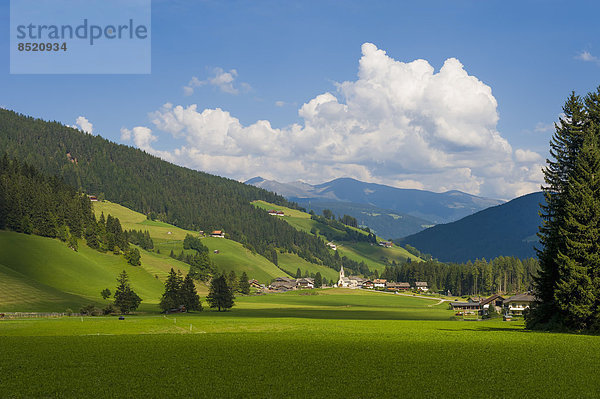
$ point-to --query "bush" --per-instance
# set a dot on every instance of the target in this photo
(90, 310)
(109, 309)
(69, 312)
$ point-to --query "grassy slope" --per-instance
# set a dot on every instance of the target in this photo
(291, 263)
(372, 255)
(232, 255)
(38, 264)
(295, 345)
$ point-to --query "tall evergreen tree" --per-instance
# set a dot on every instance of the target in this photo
(579, 262)
(188, 295)
(318, 280)
(220, 295)
(171, 298)
(125, 298)
(564, 148)
(244, 285)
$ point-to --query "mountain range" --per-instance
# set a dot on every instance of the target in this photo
(390, 211)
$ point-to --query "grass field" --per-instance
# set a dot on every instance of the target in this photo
(336, 344)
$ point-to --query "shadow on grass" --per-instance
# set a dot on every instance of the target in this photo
(479, 327)
(333, 314)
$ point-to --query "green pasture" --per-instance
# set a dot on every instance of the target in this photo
(42, 274)
(335, 344)
(291, 262)
(375, 256)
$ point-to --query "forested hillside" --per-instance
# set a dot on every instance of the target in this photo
(163, 191)
(504, 230)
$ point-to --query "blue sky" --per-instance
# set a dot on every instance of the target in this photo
(531, 54)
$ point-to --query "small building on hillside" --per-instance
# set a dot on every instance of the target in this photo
(515, 305)
(332, 246)
(386, 244)
(217, 234)
(93, 198)
(421, 286)
(273, 212)
(379, 283)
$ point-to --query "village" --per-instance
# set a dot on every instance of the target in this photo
(474, 306)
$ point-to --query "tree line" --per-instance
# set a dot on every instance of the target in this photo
(502, 274)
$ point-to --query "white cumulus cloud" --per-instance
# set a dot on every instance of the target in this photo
(398, 123)
(223, 80)
(83, 124)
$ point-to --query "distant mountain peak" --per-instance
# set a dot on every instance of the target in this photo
(255, 180)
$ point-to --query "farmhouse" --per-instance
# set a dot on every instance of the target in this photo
(398, 286)
(93, 198)
(273, 212)
(379, 283)
(386, 244)
(217, 233)
(255, 284)
(283, 284)
(367, 284)
(461, 307)
(496, 300)
(515, 305)
(421, 286)
(332, 246)
(305, 282)
(391, 286)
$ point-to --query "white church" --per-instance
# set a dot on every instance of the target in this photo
(349, 282)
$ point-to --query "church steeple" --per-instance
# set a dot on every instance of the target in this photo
(341, 272)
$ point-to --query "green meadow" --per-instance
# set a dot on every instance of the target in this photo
(332, 343)
(375, 256)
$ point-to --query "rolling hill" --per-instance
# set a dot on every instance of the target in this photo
(374, 256)
(504, 230)
(43, 274)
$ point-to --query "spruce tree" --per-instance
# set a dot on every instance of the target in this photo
(188, 295)
(171, 298)
(232, 281)
(318, 280)
(579, 262)
(564, 148)
(220, 295)
(244, 285)
(125, 298)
